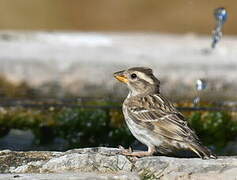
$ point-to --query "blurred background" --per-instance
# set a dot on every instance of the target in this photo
(183, 16)
(57, 58)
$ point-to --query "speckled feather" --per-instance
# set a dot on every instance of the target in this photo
(162, 117)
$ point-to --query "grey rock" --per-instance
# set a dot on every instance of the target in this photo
(70, 176)
(108, 163)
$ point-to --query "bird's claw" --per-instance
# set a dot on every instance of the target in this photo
(125, 151)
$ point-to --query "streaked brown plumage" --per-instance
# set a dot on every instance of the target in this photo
(153, 120)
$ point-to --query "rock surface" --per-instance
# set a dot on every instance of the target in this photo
(71, 176)
(108, 163)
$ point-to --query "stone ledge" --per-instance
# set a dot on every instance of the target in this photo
(71, 176)
(108, 163)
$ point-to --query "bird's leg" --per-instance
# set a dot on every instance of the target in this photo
(150, 152)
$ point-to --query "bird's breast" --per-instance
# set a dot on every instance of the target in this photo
(140, 132)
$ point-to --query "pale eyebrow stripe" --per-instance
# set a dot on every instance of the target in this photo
(145, 77)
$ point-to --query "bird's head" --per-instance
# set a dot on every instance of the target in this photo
(140, 80)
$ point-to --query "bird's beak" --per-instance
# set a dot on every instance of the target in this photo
(120, 76)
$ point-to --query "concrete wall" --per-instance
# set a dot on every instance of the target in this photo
(83, 63)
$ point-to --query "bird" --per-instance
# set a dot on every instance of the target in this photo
(152, 118)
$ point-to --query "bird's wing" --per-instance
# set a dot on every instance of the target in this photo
(158, 114)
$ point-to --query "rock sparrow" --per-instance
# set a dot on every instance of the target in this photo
(153, 120)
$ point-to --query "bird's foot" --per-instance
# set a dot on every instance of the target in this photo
(138, 153)
(129, 150)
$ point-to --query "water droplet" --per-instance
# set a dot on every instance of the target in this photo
(196, 100)
(221, 14)
(201, 84)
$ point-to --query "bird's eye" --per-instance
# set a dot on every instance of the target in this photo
(133, 76)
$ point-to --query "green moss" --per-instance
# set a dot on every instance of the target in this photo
(105, 127)
(214, 128)
(28, 119)
(91, 127)
(147, 174)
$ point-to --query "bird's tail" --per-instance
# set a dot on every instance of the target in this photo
(202, 151)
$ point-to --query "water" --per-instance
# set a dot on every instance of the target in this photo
(221, 16)
(201, 84)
